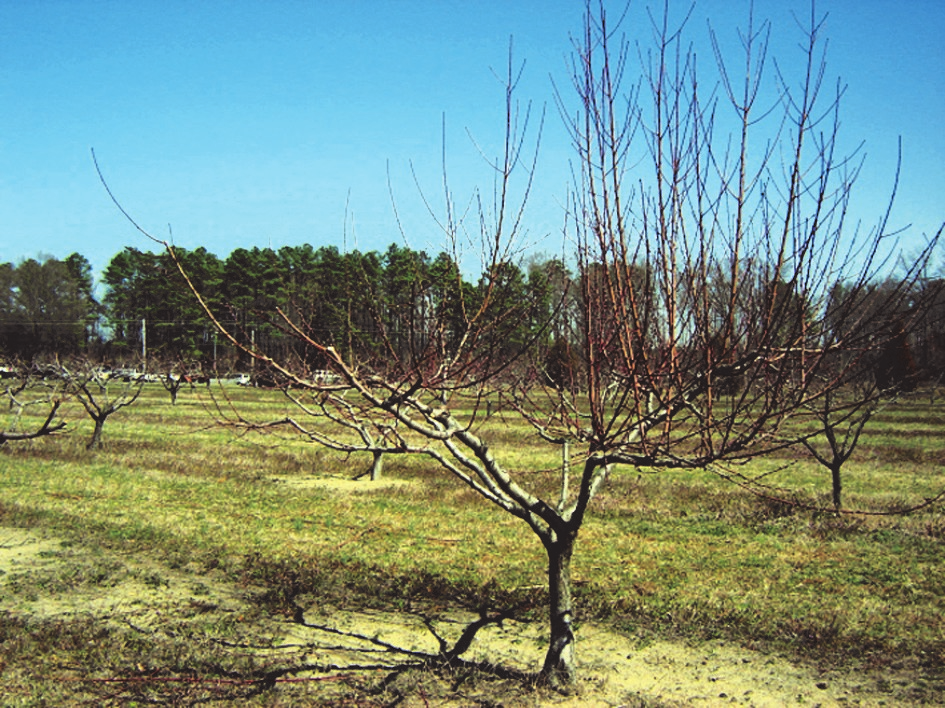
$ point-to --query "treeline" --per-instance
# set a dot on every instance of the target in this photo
(399, 304)
(47, 307)
(368, 304)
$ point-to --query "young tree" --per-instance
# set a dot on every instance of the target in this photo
(887, 312)
(841, 423)
(24, 389)
(96, 392)
(701, 260)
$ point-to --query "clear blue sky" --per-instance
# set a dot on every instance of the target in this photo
(247, 124)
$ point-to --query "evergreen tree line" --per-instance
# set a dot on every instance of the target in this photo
(47, 306)
(392, 305)
(391, 302)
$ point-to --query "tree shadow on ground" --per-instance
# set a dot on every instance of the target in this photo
(334, 665)
(354, 651)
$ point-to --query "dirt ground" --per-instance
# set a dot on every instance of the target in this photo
(43, 577)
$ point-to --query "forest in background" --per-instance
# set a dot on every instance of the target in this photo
(361, 302)
(366, 305)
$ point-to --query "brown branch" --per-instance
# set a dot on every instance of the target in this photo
(46, 428)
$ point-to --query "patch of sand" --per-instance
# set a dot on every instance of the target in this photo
(614, 669)
(340, 484)
(104, 585)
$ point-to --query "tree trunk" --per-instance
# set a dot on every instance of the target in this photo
(377, 465)
(559, 669)
(96, 434)
(837, 487)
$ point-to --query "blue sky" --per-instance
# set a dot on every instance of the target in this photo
(240, 124)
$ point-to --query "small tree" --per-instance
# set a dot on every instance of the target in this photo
(174, 374)
(872, 376)
(172, 381)
(841, 424)
(26, 391)
(700, 261)
(95, 390)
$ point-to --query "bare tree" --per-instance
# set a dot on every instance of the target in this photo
(172, 380)
(175, 374)
(26, 389)
(96, 391)
(841, 427)
(873, 378)
(705, 263)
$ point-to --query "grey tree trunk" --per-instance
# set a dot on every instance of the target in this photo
(96, 434)
(559, 668)
(377, 466)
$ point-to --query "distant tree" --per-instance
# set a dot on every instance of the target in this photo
(182, 329)
(551, 293)
(450, 296)
(506, 311)
(80, 270)
(9, 315)
(147, 308)
(363, 275)
(46, 307)
(895, 367)
(97, 393)
(174, 374)
(841, 417)
(252, 287)
(172, 382)
(133, 285)
(929, 332)
(562, 366)
(404, 302)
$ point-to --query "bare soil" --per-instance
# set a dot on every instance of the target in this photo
(44, 578)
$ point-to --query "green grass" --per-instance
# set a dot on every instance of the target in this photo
(684, 553)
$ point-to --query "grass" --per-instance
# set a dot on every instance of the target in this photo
(681, 553)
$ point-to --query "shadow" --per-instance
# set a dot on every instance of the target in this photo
(353, 664)
(382, 655)
(205, 653)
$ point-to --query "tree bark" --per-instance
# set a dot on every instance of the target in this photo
(96, 434)
(837, 486)
(377, 465)
(559, 668)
